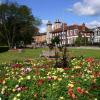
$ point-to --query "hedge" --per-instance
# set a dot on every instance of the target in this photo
(3, 48)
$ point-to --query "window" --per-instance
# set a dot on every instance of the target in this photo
(71, 32)
(75, 31)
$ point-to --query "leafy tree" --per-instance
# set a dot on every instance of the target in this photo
(81, 40)
(84, 40)
(78, 40)
(55, 40)
(17, 23)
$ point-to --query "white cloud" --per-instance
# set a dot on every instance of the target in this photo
(93, 24)
(87, 7)
(44, 21)
(42, 29)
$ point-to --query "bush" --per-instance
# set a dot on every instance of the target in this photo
(3, 48)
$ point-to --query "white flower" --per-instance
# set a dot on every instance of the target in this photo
(55, 77)
(18, 94)
(21, 78)
(71, 85)
(16, 86)
(2, 91)
(89, 71)
(60, 69)
(77, 67)
(28, 77)
(4, 82)
(15, 98)
(59, 79)
(61, 98)
(34, 64)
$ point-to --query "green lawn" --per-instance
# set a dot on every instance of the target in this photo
(15, 55)
(85, 52)
(34, 53)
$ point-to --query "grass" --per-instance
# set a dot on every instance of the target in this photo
(34, 53)
(85, 52)
(15, 55)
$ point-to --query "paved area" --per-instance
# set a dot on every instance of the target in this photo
(86, 47)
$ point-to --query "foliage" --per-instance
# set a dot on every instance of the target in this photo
(17, 23)
(38, 80)
(55, 40)
(81, 40)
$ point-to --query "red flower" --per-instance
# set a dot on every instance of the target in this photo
(70, 93)
(79, 90)
(16, 65)
(66, 68)
(1, 81)
(89, 59)
(40, 82)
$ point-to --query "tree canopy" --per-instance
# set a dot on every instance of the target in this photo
(17, 24)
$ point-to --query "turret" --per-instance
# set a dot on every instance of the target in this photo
(49, 30)
(57, 24)
(49, 26)
(83, 26)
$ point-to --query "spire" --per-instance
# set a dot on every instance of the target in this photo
(57, 21)
(49, 23)
(83, 24)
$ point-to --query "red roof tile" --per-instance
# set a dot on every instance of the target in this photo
(79, 27)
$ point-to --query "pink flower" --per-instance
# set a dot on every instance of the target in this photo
(20, 88)
(50, 78)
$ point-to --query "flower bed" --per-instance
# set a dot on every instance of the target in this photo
(38, 80)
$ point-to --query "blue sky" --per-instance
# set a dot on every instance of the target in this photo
(69, 11)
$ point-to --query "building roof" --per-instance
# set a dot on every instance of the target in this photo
(40, 34)
(71, 27)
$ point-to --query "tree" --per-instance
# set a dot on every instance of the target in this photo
(81, 40)
(17, 23)
(56, 40)
(84, 41)
(78, 40)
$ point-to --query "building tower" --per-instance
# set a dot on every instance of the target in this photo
(57, 24)
(83, 26)
(49, 35)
